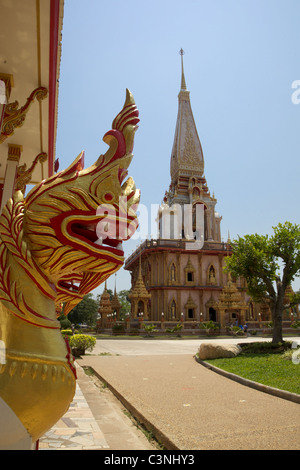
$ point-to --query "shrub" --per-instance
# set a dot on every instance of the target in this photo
(210, 326)
(175, 329)
(81, 343)
(66, 332)
(149, 329)
(235, 330)
(265, 347)
(118, 328)
(64, 322)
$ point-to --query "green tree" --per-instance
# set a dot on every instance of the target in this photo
(269, 265)
(125, 302)
(85, 311)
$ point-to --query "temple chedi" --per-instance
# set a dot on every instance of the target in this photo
(116, 304)
(182, 270)
(139, 297)
(105, 308)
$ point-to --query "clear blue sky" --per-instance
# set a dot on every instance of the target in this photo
(241, 58)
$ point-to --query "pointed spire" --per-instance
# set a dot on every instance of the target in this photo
(183, 84)
(139, 291)
(140, 265)
(105, 304)
(187, 152)
(115, 303)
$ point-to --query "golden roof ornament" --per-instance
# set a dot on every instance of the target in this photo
(230, 296)
(183, 84)
(139, 291)
(15, 117)
(115, 302)
(105, 302)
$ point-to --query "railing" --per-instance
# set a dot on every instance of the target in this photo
(174, 243)
(137, 326)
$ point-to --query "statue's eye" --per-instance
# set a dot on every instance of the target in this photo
(108, 197)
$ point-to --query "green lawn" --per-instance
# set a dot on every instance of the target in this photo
(273, 370)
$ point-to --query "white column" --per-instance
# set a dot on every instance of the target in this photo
(6, 83)
(13, 158)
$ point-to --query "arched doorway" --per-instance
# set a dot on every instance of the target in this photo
(212, 314)
(234, 318)
(141, 308)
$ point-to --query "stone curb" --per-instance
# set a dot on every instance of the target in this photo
(294, 397)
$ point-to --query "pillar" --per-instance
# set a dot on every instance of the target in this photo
(222, 321)
(13, 158)
(8, 82)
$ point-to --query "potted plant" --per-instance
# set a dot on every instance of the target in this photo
(80, 343)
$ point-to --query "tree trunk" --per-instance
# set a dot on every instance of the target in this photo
(277, 308)
(277, 326)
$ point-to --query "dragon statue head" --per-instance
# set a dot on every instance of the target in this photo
(57, 244)
(75, 221)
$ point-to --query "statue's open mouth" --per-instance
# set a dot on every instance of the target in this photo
(99, 235)
(90, 234)
(82, 232)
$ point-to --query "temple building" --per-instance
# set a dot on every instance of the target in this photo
(109, 308)
(116, 304)
(105, 308)
(182, 270)
(139, 297)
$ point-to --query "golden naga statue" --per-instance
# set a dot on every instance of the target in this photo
(56, 245)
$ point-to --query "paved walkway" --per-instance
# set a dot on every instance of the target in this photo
(188, 406)
(95, 421)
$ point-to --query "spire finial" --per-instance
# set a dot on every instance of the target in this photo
(140, 264)
(183, 84)
(115, 283)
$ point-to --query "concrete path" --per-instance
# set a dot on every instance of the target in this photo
(95, 421)
(154, 347)
(188, 406)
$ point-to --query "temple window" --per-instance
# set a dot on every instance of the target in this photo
(196, 193)
(140, 307)
(189, 273)
(190, 309)
(190, 313)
